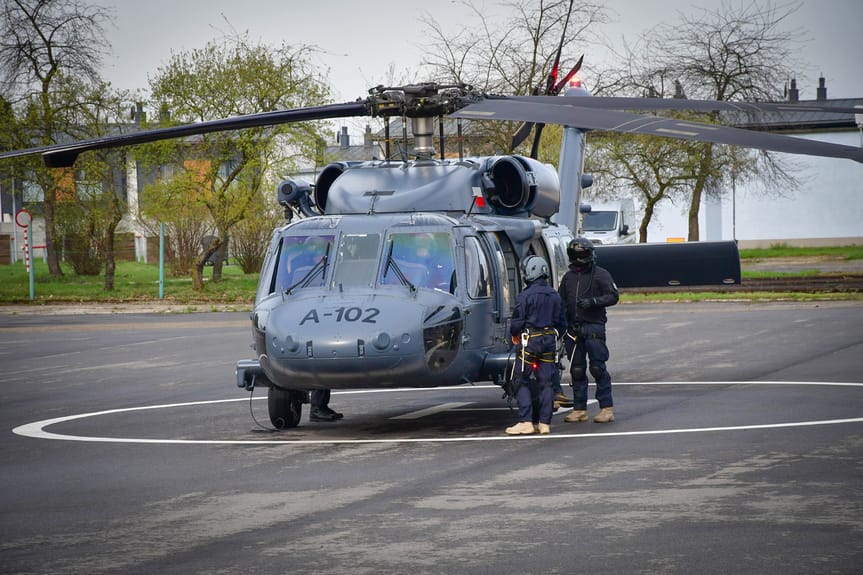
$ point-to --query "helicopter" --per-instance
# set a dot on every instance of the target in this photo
(403, 272)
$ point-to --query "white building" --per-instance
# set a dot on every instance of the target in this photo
(827, 209)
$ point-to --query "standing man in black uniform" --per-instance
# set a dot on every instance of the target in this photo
(536, 322)
(586, 290)
(321, 411)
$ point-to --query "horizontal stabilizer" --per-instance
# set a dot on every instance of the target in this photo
(672, 264)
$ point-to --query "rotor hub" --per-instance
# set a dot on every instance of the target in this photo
(426, 100)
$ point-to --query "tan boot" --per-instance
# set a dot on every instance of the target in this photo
(520, 428)
(562, 400)
(576, 415)
(544, 429)
(606, 415)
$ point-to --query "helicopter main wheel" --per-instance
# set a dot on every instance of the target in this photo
(285, 407)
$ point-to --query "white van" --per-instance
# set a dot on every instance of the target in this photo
(609, 223)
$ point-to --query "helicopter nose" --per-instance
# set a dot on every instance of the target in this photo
(346, 329)
(343, 341)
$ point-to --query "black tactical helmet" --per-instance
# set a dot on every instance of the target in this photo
(533, 268)
(581, 252)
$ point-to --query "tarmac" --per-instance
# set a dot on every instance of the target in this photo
(736, 448)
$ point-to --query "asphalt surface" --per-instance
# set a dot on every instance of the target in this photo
(736, 449)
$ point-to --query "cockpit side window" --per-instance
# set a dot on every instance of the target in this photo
(301, 261)
(561, 261)
(479, 280)
(425, 259)
(505, 261)
(268, 270)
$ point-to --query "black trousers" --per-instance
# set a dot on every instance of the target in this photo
(320, 398)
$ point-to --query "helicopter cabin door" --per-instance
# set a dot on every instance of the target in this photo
(486, 286)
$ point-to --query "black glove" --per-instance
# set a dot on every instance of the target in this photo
(586, 302)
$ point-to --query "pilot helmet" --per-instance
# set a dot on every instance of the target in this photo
(533, 268)
(581, 252)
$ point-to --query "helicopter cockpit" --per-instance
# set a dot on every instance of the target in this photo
(302, 262)
(346, 295)
(418, 259)
(425, 259)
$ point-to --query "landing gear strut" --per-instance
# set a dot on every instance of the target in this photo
(285, 407)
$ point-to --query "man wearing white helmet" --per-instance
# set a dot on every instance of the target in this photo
(586, 290)
(536, 322)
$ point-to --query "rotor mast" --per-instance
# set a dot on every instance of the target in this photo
(421, 103)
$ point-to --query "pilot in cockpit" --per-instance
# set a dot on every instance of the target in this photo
(299, 257)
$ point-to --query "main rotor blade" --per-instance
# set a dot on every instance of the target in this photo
(626, 123)
(682, 104)
(620, 103)
(522, 133)
(64, 155)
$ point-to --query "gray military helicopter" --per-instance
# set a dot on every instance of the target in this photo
(403, 272)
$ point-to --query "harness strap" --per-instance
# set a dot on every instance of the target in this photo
(546, 356)
(536, 332)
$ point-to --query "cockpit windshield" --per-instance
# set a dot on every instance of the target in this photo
(302, 261)
(357, 260)
(599, 221)
(416, 259)
(424, 259)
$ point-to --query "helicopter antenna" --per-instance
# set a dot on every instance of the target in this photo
(552, 88)
(440, 131)
(460, 140)
(551, 82)
(387, 138)
(403, 147)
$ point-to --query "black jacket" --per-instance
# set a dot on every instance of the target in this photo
(594, 285)
(537, 307)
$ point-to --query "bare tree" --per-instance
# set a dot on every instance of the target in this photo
(658, 169)
(41, 41)
(511, 54)
(736, 52)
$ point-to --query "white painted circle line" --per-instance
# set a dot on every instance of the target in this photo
(37, 429)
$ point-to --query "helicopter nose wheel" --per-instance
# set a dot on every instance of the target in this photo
(285, 407)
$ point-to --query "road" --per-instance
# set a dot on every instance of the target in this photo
(736, 449)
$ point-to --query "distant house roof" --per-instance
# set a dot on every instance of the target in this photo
(344, 151)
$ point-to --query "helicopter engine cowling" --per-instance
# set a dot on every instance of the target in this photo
(518, 185)
(547, 196)
(325, 180)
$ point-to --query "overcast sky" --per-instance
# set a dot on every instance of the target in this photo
(356, 37)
